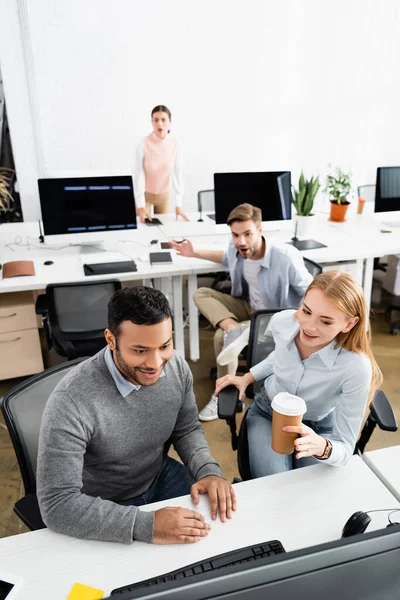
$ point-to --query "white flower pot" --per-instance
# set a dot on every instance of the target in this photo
(306, 226)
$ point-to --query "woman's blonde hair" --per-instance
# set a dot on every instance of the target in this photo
(344, 292)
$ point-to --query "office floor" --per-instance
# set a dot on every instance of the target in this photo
(387, 352)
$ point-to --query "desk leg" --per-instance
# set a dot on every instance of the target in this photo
(367, 283)
(359, 271)
(193, 320)
(178, 314)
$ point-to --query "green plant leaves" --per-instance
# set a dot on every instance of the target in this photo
(304, 196)
(338, 186)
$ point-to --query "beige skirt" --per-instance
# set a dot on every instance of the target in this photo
(159, 201)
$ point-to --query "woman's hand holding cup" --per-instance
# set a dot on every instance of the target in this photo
(309, 444)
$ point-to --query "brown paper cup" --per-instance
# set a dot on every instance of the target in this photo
(283, 441)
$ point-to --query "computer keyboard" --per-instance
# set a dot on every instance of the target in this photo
(235, 557)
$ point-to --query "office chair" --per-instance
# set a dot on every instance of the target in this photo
(205, 201)
(22, 409)
(261, 344)
(75, 316)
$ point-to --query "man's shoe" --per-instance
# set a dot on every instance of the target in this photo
(235, 340)
(210, 411)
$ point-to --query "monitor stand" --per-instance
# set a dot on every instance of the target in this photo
(91, 247)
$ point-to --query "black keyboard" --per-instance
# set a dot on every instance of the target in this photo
(235, 557)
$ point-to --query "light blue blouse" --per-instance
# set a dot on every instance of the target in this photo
(332, 379)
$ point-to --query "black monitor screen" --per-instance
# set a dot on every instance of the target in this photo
(387, 195)
(270, 191)
(87, 204)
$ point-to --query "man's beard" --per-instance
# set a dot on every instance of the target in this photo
(131, 372)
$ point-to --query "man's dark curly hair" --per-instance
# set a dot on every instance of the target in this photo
(141, 305)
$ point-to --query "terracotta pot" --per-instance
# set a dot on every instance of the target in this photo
(338, 212)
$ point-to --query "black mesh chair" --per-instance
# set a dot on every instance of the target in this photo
(261, 344)
(22, 409)
(75, 316)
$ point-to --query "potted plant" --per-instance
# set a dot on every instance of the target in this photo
(6, 198)
(338, 186)
(303, 200)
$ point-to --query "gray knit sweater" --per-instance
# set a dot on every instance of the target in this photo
(97, 448)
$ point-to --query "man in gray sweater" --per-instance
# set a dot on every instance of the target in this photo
(106, 428)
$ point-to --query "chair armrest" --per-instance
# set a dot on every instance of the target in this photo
(27, 509)
(41, 306)
(382, 412)
(228, 400)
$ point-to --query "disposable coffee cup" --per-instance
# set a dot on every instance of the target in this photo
(287, 409)
(360, 206)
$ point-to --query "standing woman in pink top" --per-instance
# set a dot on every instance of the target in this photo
(158, 168)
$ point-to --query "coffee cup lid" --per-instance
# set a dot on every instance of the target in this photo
(288, 404)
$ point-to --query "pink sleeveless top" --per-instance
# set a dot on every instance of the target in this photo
(159, 158)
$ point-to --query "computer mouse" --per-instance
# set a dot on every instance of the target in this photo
(357, 523)
(48, 262)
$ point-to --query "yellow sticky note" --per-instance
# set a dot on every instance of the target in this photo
(84, 592)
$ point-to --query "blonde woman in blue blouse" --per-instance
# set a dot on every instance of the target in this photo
(322, 354)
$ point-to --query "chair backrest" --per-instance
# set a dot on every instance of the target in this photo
(22, 409)
(261, 342)
(206, 200)
(367, 192)
(312, 267)
(80, 310)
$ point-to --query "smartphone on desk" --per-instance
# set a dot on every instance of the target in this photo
(153, 221)
(167, 245)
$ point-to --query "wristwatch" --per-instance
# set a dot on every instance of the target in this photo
(327, 452)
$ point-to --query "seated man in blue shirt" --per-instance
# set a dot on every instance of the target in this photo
(105, 431)
(263, 275)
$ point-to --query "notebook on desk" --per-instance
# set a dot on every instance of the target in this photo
(106, 268)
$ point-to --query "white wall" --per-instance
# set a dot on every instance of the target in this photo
(255, 85)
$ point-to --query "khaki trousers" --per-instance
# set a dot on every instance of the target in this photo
(159, 201)
(216, 307)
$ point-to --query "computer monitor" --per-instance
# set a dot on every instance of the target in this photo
(387, 192)
(86, 209)
(270, 191)
(363, 566)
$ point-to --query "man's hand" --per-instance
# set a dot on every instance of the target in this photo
(220, 493)
(309, 444)
(184, 248)
(174, 525)
(143, 215)
(179, 213)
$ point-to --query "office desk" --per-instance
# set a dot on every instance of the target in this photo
(344, 243)
(68, 263)
(300, 508)
(385, 463)
(367, 228)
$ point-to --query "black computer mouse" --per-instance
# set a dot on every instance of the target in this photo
(357, 523)
(48, 262)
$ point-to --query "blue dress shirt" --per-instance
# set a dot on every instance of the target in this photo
(283, 278)
(331, 379)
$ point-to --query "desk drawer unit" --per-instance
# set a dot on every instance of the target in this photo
(20, 351)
